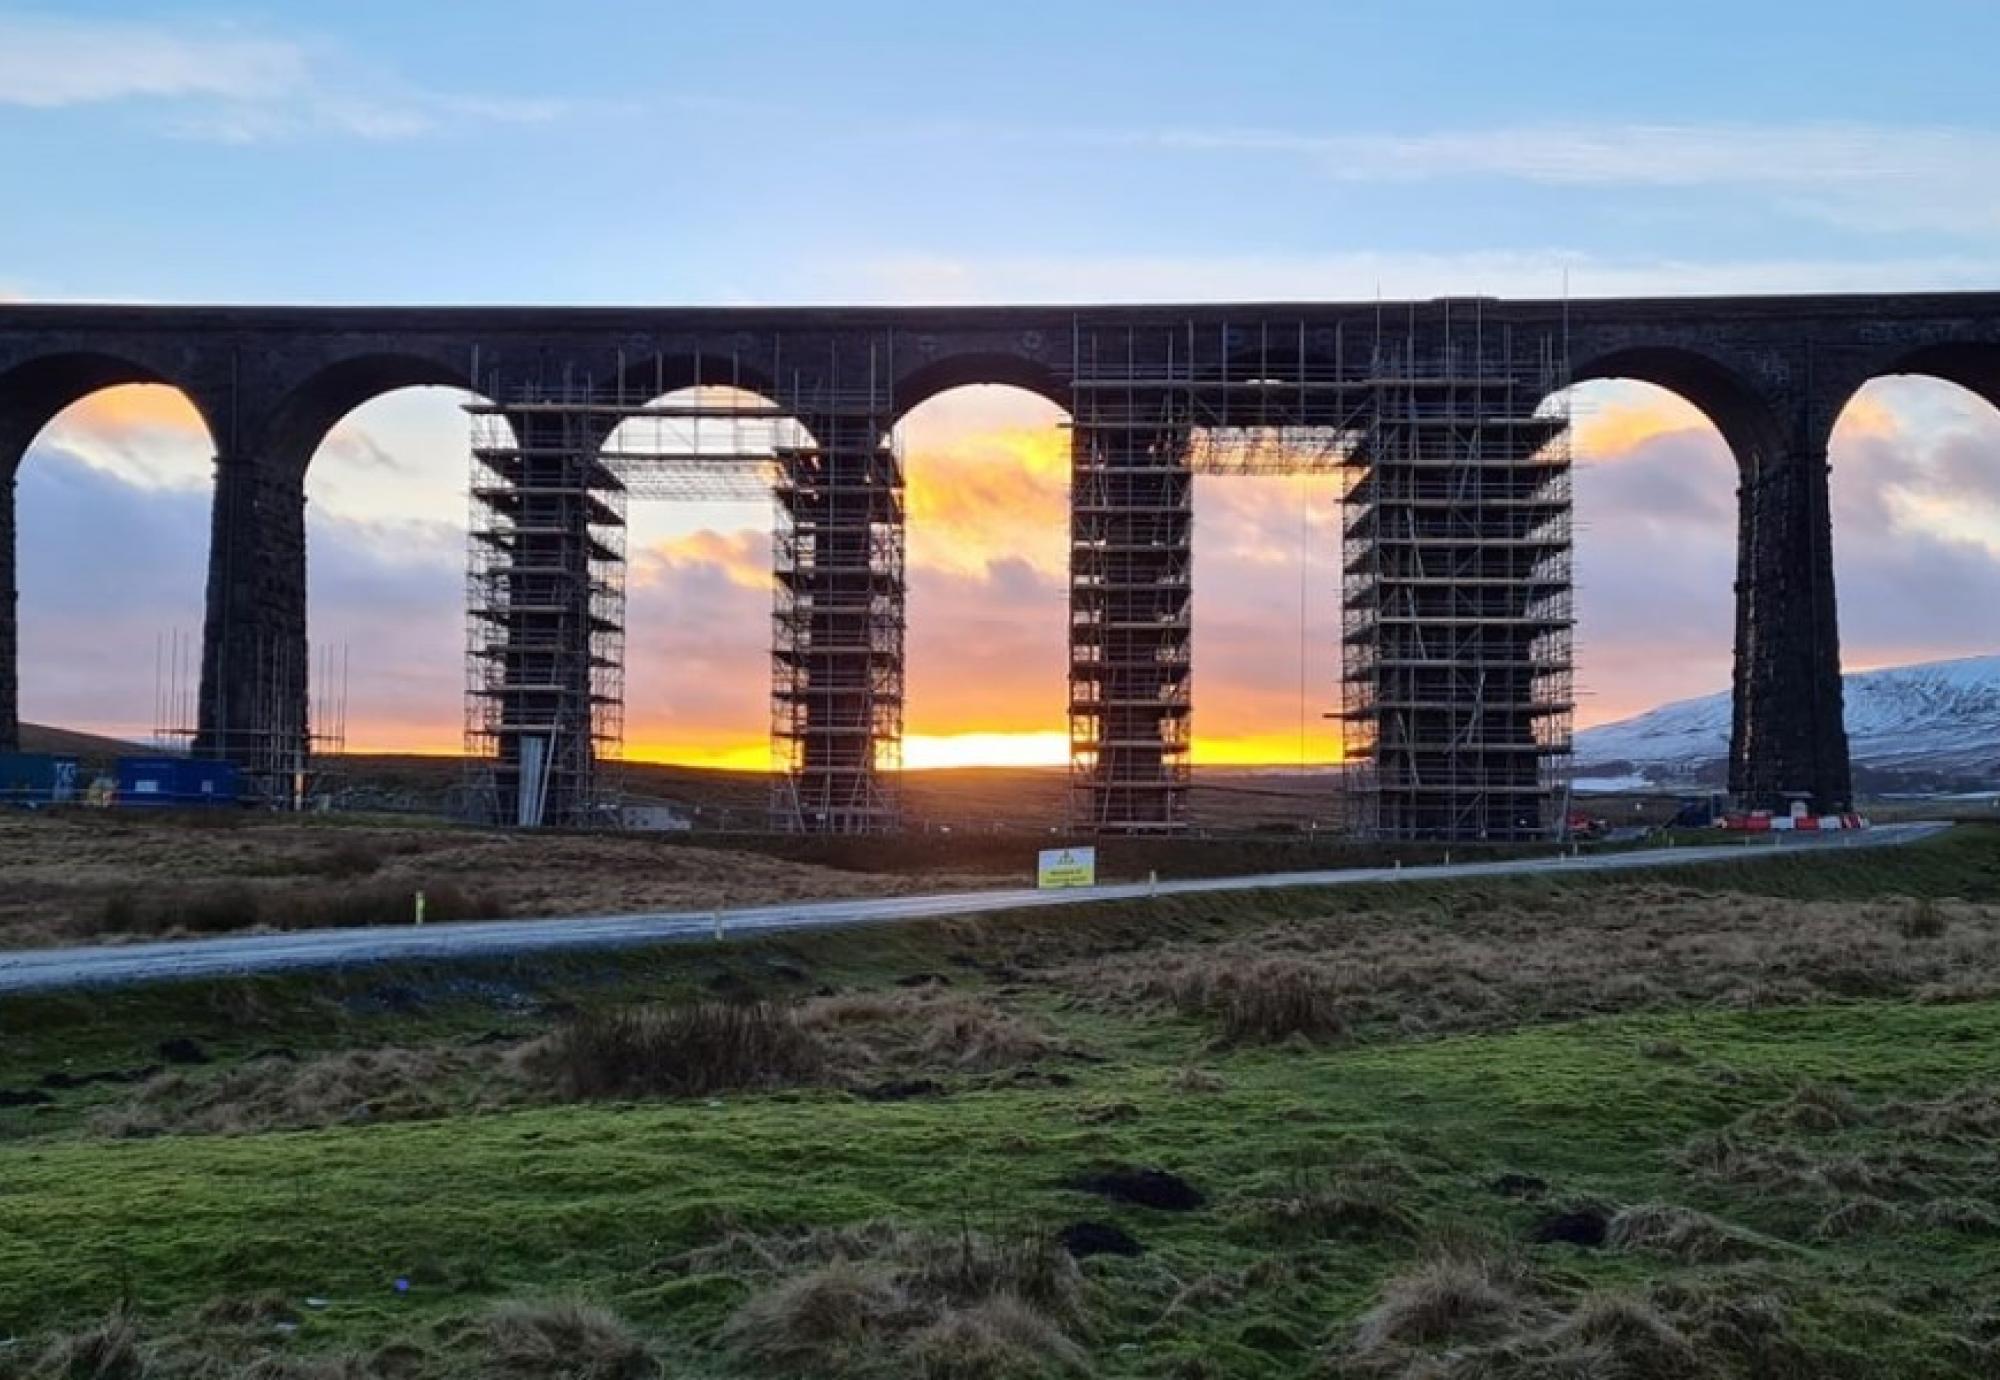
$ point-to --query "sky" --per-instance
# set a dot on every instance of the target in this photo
(918, 153)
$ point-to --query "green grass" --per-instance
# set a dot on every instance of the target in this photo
(601, 1199)
(604, 1199)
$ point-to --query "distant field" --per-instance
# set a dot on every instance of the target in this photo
(980, 798)
(1728, 1122)
(89, 746)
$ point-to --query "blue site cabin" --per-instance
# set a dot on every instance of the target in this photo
(163, 782)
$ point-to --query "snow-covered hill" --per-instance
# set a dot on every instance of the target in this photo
(1937, 718)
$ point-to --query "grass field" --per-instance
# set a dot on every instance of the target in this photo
(1735, 1121)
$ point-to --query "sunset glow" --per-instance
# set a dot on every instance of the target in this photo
(987, 472)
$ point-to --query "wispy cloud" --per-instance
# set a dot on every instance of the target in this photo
(1880, 177)
(229, 85)
(1358, 276)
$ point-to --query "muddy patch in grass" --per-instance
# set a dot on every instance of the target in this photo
(1158, 1189)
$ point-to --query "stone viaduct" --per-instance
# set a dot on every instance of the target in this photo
(1772, 373)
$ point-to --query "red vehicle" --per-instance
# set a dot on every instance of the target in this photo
(1584, 826)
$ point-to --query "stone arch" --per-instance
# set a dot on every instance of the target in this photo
(1972, 365)
(303, 417)
(1914, 486)
(255, 656)
(1787, 743)
(1717, 391)
(978, 367)
(33, 394)
(987, 469)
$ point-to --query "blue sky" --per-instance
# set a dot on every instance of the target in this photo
(783, 152)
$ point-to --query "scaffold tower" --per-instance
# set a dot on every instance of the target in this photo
(545, 609)
(838, 624)
(1456, 597)
(1150, 409)
(553, 471)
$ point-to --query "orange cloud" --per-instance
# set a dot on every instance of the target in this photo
(134, 410)
(147, 434)
(1612, 429)
(1866, 415)
(999, 495)
(743, 556)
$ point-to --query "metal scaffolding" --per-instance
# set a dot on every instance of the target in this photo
(282, 760)
(1456, 684)
(553, 469)
(1150, 409)
(545, 610)
(837, 627)
(1456, 597)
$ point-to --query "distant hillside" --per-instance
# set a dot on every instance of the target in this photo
(88, 746)
(1938, 720)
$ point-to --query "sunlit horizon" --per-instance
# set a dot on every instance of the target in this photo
(921, 752)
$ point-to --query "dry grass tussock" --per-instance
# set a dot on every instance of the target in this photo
(565, 1337)
(1449, 1298)
(1364, 1201)
(868, 1030)
(1624, 949)
(677, 1051)
(693, 1050)
(353, 1086)
(861, 1300)
(709, 1047)
(1680, 1233)
(1475, 1318)
(253, 1340)
(1922, 1162)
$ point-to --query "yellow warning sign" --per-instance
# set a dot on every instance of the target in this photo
(1061, 867)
